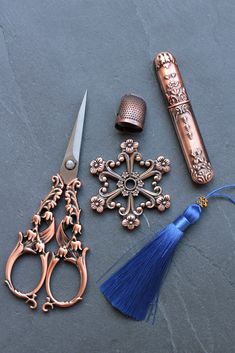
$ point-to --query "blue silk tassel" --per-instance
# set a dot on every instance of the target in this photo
(136, 285)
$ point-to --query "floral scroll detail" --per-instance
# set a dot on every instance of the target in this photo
(34, 239)
(201, 170)
(70, 248)
(163, 202)
(97, 203)
(130, 222)
(97, 165)
(129, 146)
(183, 112)
(164, 59)
(135, 178)
(163, 164)
(175, 93)
(130, 184)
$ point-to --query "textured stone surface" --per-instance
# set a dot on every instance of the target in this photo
(50, 52)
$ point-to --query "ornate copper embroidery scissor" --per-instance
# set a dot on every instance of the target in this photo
(70, 248)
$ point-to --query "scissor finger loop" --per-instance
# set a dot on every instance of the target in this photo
(21, 249)
(79, 260)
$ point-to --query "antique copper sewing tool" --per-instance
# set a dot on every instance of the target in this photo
(183, 118)
(70, 248)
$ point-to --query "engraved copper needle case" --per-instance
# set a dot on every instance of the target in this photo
(183, 118)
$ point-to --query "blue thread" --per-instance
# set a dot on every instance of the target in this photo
(214, 193)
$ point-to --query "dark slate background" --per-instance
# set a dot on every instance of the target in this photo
(50, 52)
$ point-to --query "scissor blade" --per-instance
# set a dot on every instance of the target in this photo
(77, 137)
(72, 154)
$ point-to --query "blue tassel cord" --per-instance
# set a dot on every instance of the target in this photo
(136, 285)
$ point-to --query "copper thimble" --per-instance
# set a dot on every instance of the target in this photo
(131, 114)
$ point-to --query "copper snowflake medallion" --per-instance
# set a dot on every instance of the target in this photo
(130, 184)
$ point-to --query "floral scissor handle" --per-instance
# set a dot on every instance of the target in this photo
(33, 241)
(70, 249)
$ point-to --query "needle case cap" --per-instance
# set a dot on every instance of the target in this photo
(131, 114)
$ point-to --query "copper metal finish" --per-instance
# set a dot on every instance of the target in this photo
(33, 241)
(70, 248)
(131, 113)
(130, 184)
(183, 118)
